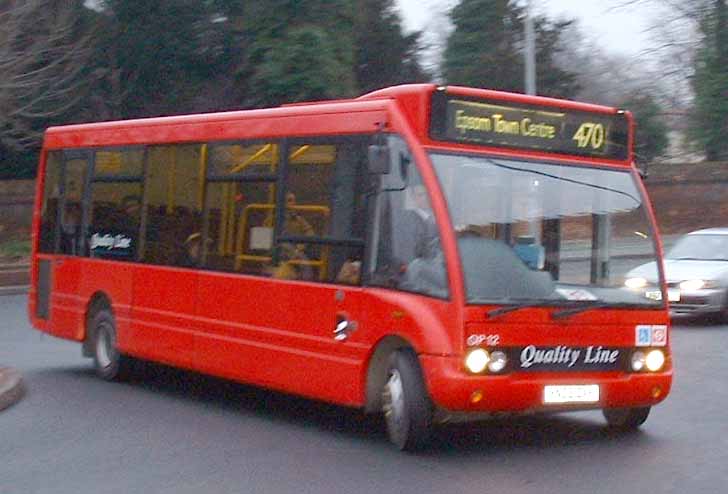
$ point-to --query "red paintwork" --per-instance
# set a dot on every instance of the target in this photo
(279, 333)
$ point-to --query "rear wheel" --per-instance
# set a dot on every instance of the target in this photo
(109, 363)
(406, 405)
(626, 418)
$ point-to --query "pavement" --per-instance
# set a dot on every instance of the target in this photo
(12, 388)
(13, 281)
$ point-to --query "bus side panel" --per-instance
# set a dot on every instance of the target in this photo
(279, 334)
(67, 307)
(163, 314)
(115, 281)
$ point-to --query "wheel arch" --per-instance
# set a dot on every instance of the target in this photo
(376, 374)
(98, 301)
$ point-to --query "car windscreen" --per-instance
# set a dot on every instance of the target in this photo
(701, 247)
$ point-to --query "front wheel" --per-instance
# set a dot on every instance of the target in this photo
(626, 418)
(406, 405)
(109, 363)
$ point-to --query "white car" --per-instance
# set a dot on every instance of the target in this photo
(696, 270)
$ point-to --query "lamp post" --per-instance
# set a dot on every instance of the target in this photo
(530, 52)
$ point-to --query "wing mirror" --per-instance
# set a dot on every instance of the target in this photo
(379, 159)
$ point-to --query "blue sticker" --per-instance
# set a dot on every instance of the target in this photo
(644, 335)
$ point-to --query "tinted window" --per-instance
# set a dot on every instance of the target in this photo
(51, 203)
(116, 204)
(324, 199)
(243, 159)
(173, 204)
(240, 221)
(407, 253)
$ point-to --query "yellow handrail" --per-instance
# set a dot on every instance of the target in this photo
(249, 161)
(201, 174)
(241, 257)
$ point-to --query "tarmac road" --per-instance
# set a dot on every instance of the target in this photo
(168, 431)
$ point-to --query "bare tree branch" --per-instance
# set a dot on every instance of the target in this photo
(43, 57)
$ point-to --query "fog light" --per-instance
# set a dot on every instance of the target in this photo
(476, 397)
(655, 360)
(656, 392)
(498, 361)
(638, 361)
(477, 360)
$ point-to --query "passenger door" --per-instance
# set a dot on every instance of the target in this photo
(62, 274)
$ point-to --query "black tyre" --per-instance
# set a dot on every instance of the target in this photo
(406, 405)
(110, 364)
(626, 418)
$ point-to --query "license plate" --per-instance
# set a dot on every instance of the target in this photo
(673, 295)
(587, 393)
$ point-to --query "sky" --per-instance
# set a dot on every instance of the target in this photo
(621, 30)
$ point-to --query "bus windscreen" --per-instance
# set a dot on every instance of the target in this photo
(511, 125)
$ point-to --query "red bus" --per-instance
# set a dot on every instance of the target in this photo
(430, 253)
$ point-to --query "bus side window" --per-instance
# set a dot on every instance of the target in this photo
(325, 200)
(240, 210)
(116, 204)
(407, 253)
(51, 202)
(173, 206)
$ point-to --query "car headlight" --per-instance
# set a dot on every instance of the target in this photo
(692, 285)
(477, 360)
(636, 282)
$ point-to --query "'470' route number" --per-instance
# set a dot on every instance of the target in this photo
(590, 135)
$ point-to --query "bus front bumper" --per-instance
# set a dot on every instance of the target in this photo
(453, 389)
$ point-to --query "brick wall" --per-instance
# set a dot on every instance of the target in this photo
(689, 197)
(16, 207)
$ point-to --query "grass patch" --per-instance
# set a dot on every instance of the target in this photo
(14, 250)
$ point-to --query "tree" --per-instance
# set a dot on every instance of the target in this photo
(297, 50)
(43, 55)
(482, 50)
(651, 139)
(385, 56)
(710, 82)
(152, 57)
(485, 49)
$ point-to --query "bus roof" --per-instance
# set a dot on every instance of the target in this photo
(415, 101)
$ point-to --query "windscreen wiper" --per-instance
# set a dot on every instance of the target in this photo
(511, 308)
(583, 307)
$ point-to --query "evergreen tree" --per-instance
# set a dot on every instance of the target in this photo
(710, 127)
(651, 139)
(486, 49)
(297, 50)
(152, 57)
(385, 56)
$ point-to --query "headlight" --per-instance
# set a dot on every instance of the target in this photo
(635, 283)
(638, 361)
(498, 361)
(477, 360)
(655, 360)
(692, 285)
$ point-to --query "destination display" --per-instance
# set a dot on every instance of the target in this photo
(495, 123)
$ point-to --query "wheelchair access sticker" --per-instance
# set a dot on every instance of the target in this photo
(650, 335)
